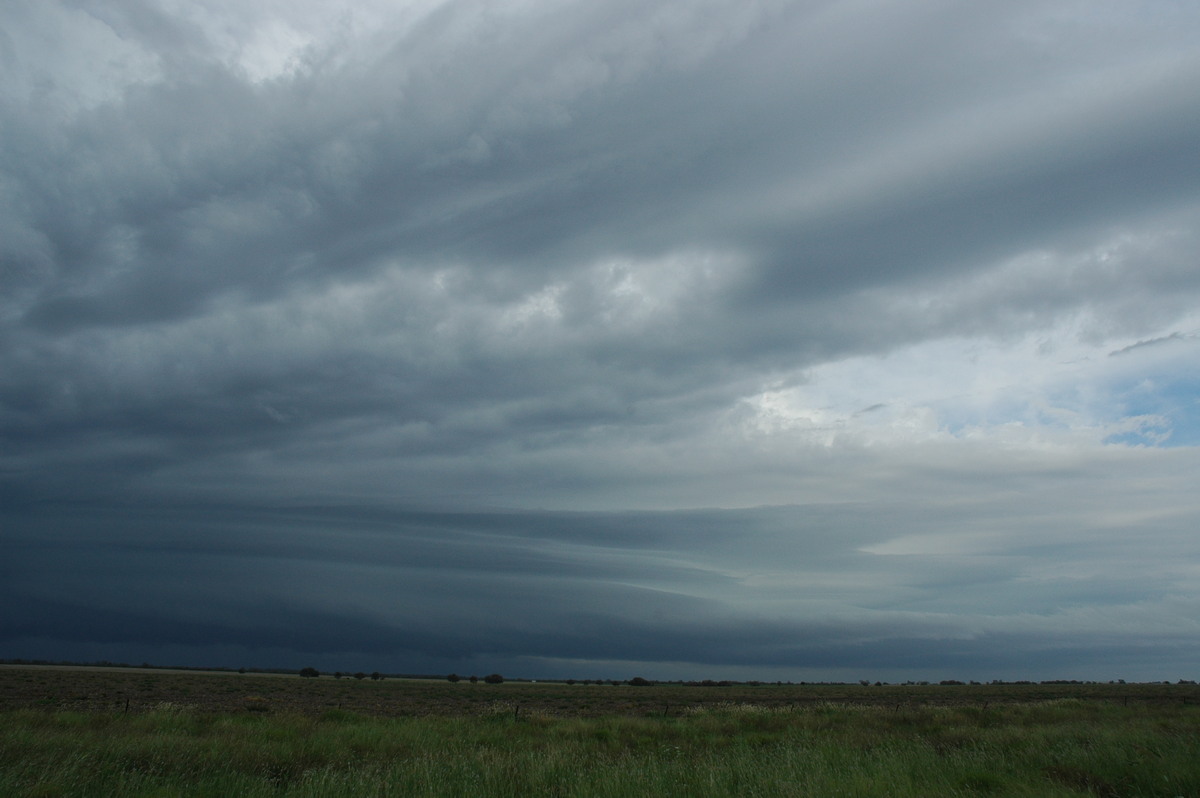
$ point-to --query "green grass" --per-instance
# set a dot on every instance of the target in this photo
(1057, 748)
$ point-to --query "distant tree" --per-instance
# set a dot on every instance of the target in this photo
(337, 675)
(376, 676)
(309, 673)
(360, 675)
(570, 681)
(452, 678)
(474, 678)
(241, 670)
(494, 678)
(638, 681)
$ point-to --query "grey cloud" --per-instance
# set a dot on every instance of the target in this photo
(542, 198)
(1175, 336)
(464, 309)
(647, 587)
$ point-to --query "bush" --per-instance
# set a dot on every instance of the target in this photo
(452, 678)
(494, 678)
(638, 681)
(309, 673)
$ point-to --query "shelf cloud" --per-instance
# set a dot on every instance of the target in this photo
(780, 340)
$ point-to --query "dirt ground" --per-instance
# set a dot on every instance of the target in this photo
(143, 689)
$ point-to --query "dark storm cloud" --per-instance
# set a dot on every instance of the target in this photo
(242, 187)
(452, 589)
(369, 320)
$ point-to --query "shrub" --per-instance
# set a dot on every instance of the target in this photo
(494, 678)
(452, 678)
(309, 673)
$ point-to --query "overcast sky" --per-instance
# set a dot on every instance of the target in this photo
(828, 339)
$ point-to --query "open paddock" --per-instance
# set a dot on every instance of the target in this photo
(138, 690)
(86, 732)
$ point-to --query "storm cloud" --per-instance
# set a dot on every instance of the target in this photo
(781, 340)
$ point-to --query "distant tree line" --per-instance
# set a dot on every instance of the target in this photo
(312, 673)
(496, 678)
(491, 678)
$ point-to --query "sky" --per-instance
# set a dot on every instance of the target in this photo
(820, 340)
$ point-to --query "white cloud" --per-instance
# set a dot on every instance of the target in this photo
(1051, 387)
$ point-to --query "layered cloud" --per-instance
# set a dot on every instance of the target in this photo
(822, 336)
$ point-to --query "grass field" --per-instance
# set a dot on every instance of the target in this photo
(68, 732)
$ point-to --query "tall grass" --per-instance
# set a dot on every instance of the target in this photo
(1061, 748)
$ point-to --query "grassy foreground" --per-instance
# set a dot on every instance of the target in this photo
(1064, 747)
